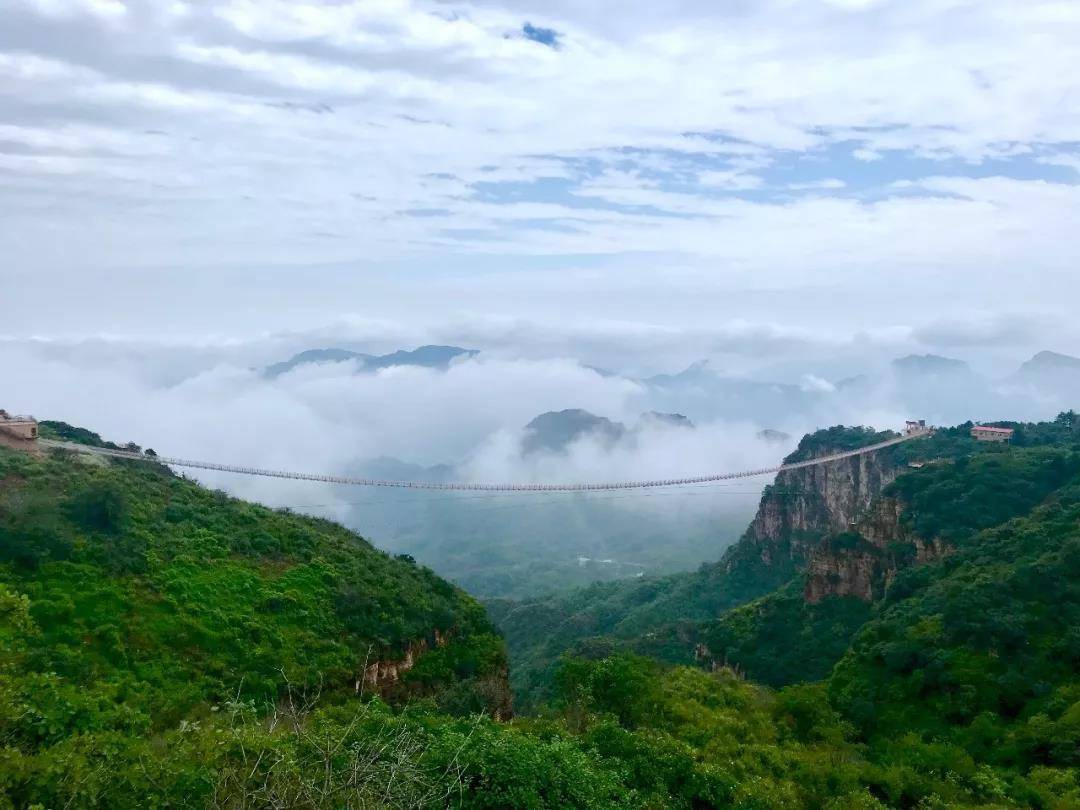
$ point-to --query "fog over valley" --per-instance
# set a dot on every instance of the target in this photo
(489, 414)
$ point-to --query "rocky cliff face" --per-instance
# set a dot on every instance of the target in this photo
(863, 561)
(805, 505)
(834, 522)
(385, 677)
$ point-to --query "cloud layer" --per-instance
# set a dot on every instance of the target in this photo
(233, 164)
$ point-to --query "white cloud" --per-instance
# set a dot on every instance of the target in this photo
(730, 181)
(180, 149)
(811, 382)
(815, 185)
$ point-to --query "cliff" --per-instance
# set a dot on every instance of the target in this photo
(382, 675)
(863, 561)
(409, 676)
(805, 505)
(834, 522)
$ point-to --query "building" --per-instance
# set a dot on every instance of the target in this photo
(914, 426)
(985, 433)
(18, 427)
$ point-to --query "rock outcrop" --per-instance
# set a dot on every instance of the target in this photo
(863, 561)
(385, 677)
(385, 674)
(834, 522)
(805, 505)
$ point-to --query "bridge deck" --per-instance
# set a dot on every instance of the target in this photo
(482, 487)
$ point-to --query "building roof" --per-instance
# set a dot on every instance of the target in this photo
(990, 429)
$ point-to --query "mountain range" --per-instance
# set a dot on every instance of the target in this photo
(438, 357)
(929, 386)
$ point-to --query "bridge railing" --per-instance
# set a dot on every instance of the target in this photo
(485, 487)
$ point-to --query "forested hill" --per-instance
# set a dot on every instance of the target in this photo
(132, 599)
(166, 646)
(783, 603)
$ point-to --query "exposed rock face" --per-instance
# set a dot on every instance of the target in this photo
(863, 561)
(807, 504)
(833, 522)
(384, 676)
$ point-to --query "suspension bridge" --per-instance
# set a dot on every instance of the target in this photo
(484, 487)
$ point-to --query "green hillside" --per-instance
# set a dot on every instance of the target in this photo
(661, 617)
(750, 613)
(135, 600)
(164, 645)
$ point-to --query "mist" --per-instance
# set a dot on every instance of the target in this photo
(212, 401)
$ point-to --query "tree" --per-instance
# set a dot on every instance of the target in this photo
(100, 507)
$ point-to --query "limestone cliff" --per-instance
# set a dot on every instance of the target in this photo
(834, 523)
(863, 561)
(809, 503)
(388, 677)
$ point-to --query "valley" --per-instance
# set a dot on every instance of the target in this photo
(849, 624)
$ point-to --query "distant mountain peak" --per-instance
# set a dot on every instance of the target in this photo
(428, 356)
(310, 356)
(930, 364)
(773, 435)
(1047, 360)
(695, 370)
(554, 431)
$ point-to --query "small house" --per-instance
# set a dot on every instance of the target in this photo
(986, 433)
(19, 427)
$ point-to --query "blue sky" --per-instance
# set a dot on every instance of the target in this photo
(556, 162)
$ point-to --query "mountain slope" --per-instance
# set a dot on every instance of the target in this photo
(1047, 361)
(311, 356)
(938, 600)
(162, 645)
(661, 616)
(135, 607)
(188, 597)
(826, 543)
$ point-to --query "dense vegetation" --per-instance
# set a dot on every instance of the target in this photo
(164, 645)
(659, 616)
(134, 600)
(489, 544)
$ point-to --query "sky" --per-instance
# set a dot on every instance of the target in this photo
(796, 191)
(716, 176)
